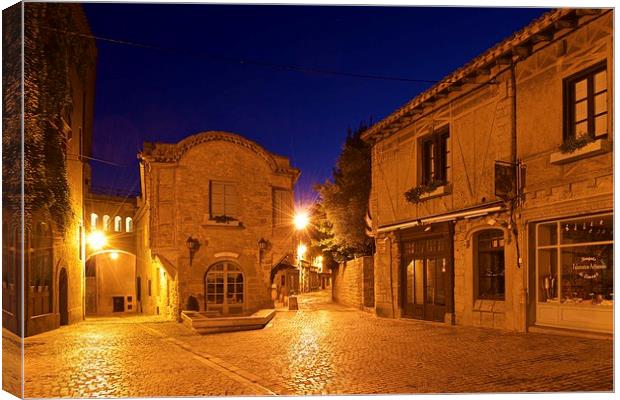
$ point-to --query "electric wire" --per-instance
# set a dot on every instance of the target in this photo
(251, 62)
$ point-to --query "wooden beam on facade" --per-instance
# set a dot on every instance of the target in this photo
(522, 50)
(566, 23)
(587, 11)
(542, 37)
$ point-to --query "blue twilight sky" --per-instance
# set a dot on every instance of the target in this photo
(147, 94)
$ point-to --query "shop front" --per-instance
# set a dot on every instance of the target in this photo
(573, 272)
(427, 272)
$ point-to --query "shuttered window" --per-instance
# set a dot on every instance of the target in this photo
(282, 207)
(223, 199)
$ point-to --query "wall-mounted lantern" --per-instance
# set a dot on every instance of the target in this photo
(262, 244)
(192, 245)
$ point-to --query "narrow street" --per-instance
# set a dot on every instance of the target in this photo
(321, 349)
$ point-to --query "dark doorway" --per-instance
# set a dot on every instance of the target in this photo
(118, 304)
(427, 274)
(63, 297)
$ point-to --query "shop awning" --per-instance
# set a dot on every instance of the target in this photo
(166, 264)
(452, 216)
(281, 265)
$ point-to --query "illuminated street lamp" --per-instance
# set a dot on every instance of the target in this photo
(301, 220)
(96, 240)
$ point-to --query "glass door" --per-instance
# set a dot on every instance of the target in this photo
(426, 279)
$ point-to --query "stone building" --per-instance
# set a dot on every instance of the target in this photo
(213, 221)
(479, 198)
(110, 276)
(55, 160)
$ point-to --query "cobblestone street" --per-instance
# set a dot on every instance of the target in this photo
(322, 348)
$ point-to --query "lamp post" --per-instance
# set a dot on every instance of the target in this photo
(301, 221)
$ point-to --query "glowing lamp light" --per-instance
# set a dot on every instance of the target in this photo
(97, 240)
(301, 220)
(114, 255)
(301, 250)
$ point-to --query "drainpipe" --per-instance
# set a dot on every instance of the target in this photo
(522, 321)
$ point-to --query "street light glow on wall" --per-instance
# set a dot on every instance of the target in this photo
(96, 240)
(301, 220)
(114, 255)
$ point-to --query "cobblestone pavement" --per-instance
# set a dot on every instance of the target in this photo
(322, 348)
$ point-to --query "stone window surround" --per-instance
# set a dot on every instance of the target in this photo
(475, 258)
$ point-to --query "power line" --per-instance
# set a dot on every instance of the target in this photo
(242, 61)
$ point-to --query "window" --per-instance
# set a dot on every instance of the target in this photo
(148, 287)
(106, 222)
(118, 224)
(585, 103)
(128, 224)
(224, 287)
(282, 207)
(434, 156)
(575, 261)
(490, 265)
(223, 199)
(93, 221)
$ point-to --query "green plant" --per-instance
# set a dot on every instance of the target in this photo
(51, 56)
(414, 195)
(573, 143)
(224, 219)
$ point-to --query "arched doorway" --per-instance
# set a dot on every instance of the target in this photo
(63, 297)
(224, 288)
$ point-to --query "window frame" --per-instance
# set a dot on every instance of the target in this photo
(439, 163)
(569, 101)
(225, 184)
(282, 215)
(477, 260)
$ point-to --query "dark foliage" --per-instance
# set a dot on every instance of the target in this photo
(344, 202)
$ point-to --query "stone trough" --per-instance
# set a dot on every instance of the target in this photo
(205, 322)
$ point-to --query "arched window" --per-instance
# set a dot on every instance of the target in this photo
(106, 222)
(128, 224)
(94, 219)
(224, 288)
(118, 224)
(489, 269)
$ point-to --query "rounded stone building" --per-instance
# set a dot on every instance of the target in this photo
(213, 220)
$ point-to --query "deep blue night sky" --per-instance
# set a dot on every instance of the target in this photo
(154, 95)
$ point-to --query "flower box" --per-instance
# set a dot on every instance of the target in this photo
(593, 148)
(439, 191)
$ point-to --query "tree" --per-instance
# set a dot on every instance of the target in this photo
(343, 201)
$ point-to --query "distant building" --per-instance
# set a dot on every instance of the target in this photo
(507, 166)
(213, 221)
(58, 118)
(110, 275)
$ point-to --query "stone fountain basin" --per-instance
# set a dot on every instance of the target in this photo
(209, 322)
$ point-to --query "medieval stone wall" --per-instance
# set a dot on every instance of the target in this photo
(352, 284)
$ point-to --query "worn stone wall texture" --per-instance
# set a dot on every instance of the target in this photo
(178, 196)
(350, 282)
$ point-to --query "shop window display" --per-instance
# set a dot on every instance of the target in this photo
(577, 270)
